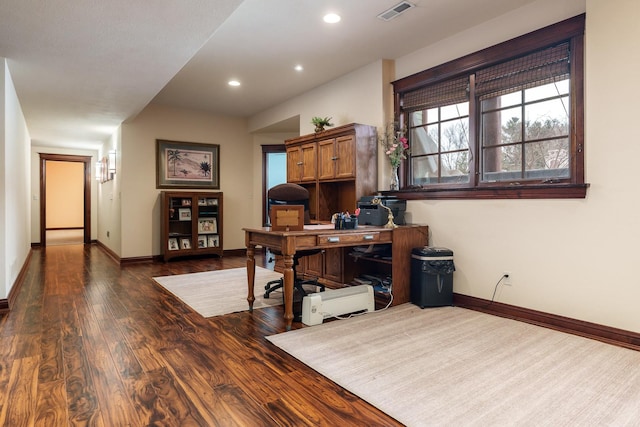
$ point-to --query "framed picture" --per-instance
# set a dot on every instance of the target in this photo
(202, 241)
(207, 225)
(184, 214)
(187, 165)
(173, 244)
(185, 244)
(186, 202)
(214, 241)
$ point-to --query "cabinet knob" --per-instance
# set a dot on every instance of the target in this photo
(334, 158)
(333, 239)
(299, 163)
(367, 237)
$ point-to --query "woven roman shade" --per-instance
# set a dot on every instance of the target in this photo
(447, 92)
(538, 68)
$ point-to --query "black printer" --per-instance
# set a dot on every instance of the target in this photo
(373, 214)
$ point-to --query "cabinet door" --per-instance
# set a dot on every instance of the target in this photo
(294, 164)
(345, 149)
(309, 161)
(333, 265)
(180, 223)
(313, 265)
(208, 227)
(327, 159)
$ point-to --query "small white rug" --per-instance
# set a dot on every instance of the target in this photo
(214, 293)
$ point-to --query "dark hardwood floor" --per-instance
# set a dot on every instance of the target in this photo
(90, 342)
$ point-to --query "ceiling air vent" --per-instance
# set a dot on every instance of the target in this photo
(395, 11)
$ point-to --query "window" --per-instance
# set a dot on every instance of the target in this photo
(439, 133)
(510, 125)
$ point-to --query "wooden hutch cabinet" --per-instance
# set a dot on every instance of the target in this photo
(191, 224)
(338, 166)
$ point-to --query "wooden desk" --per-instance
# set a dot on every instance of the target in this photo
(402, 240)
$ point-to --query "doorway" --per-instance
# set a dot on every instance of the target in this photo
(274, 172)
(72, 172)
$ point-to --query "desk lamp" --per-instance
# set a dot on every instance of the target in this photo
(390, 223)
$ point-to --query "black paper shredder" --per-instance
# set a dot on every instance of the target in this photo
(432, 276)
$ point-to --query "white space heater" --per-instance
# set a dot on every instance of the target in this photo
(336, 302)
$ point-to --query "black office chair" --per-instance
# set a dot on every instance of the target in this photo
(292, 194)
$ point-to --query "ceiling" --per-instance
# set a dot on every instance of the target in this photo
(82, 68)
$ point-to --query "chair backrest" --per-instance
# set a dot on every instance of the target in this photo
(290, 194)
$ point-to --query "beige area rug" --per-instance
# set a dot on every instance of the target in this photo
(451, 366)
(214, 293)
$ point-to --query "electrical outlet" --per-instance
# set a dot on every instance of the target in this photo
(506, 278)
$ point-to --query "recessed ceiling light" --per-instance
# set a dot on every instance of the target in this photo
(234, 83)
(298, 68)
(331, 18)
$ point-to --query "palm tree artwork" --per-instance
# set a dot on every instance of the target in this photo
(188, 164)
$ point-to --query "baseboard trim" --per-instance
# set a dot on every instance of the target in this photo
(615, 336)
(159, 258)
(108, 251)
(7, 303)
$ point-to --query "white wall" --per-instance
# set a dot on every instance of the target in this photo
(139, 196)
(353, 98)
(14, 184)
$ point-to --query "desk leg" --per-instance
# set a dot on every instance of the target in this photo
(251, 274)
(288, 290)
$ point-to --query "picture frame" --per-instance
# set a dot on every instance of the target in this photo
(287, 217)
(202, 241)
(214, 241)
(207, 225)
(185, 243)
(184, 214)
(187, 165)
(173, 244)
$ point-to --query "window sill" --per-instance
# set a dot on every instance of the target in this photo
(556, 191)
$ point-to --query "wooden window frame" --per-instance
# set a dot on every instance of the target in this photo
(570, 30)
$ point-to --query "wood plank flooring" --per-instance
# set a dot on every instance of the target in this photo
(93, 343)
